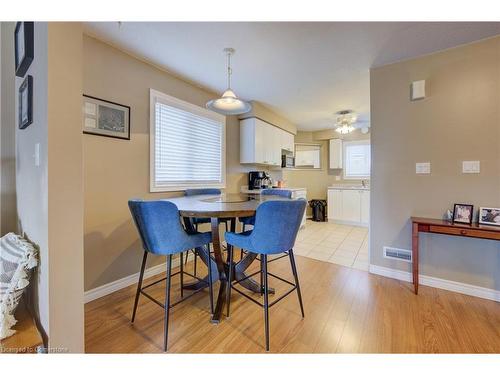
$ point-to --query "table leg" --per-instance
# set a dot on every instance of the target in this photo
(414, 250)
(220, 268)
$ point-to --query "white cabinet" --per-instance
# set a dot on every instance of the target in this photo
(365, 207)
(335, 153)
(296, 194)
(261, 143)
(349, 206)
(287, 141)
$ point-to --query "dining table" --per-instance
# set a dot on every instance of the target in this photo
(215, 207)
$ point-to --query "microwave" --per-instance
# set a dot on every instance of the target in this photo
(287, 161)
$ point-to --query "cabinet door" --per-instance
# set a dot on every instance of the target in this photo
(365, 206)
(287, 141)
(351, 205)
(275, 146)
(296, 194)
(335, 151)
(334, 204)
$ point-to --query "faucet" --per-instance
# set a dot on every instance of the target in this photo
(363, 183)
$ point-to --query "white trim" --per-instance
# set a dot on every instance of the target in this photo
(347, 222)
(113, 286)
(453, 286)
(157, 96)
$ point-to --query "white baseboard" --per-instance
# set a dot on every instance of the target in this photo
(453, 286)
(113, 286)
(347, 222)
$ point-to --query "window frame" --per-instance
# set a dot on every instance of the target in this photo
(157, 96)
(345, 144)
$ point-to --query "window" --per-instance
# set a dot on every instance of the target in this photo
(357, 159)
(187, 145)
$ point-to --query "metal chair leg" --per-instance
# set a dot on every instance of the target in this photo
(261, 277)
(195, 261)
(210, 283)
(139, 285)
(187, 256)
(167, 302)
(296, 277)
(230, 252)
(181, 274)
(266, 299)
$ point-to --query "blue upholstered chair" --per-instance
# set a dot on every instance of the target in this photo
(250, 220)
(201, 220)
(161, 233)
(276, 226)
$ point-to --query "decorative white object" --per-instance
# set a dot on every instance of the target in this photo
(229, 104)
(417, 90)
(423, 168)
(17, 257)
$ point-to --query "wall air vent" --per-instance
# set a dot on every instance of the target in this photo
(398, 254)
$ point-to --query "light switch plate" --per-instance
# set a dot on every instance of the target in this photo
(37, 155)
(417, 90)
(423, 168)
(471, 166)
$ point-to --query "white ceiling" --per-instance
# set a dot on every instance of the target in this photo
(304, 71)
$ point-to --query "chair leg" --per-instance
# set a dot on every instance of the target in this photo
(230, 251)
(195, 260)
(241, 251)
(139, 285)
(266, 299)
(187, 256)
(227, 228)
(296, 277)
(210, 283)
(181, 274)
(167, 302)
(261, 277)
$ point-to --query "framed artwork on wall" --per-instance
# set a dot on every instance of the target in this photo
(26, 103)
(102, 117)
(24, 46)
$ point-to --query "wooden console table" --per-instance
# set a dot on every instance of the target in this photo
(421, 224)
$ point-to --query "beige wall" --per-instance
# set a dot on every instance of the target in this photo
(7, 132)
(317, 181)
(459, 120)
(117, 170)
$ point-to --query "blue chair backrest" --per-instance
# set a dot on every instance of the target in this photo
(280, 192)
(208, 191)
(276, 225)
(159, 226)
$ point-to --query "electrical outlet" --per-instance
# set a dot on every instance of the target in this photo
(471, 166)
(423, 168)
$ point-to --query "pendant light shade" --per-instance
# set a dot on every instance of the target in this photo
(229, 103)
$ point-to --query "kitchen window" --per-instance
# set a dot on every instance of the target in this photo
(187, 145)
(357, 160)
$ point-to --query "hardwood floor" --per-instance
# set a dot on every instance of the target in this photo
(347, 311)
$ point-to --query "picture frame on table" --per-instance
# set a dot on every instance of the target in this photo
(462, 213)
(24, 50)
(489, 216)
(25, 105)
(105, 118)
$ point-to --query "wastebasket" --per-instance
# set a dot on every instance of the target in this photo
(318, 209)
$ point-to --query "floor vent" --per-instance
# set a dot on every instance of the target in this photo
(398, 254)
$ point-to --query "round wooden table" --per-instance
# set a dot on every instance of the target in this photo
(215, 207)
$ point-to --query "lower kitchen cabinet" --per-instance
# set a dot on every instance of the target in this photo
(349, 206)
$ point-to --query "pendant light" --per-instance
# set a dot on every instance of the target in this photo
(229, 104)
(345, 121)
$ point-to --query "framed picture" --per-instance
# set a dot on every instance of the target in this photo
(462, 213)
(102, 117)
(24, 49)
(490, 216)
(26, 102)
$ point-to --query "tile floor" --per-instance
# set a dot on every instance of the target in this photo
(335, 243)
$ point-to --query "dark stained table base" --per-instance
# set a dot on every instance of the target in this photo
(220, 268)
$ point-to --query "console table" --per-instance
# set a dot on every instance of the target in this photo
(421, 224)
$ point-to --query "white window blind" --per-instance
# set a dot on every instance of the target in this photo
(357, 160)
(187, 144)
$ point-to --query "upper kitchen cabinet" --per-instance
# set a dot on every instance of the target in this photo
(261, 142)
(335, 151)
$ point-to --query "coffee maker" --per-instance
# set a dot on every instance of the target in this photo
(258, 180)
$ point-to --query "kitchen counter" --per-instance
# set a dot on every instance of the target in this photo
(349, 187)
(245, 190)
